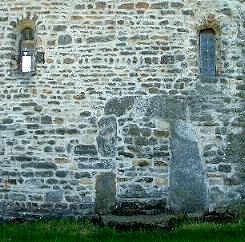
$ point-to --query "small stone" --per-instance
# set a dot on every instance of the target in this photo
(162, 133)
(224, 168)
(64, 39)
(46, 119)
(159, 5)
(126, 6)
(85, 150)
(100, 39)
(61, 174)
(141, 163)
(143, 5)
(59, 28)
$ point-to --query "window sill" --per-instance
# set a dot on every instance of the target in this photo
(208, 79)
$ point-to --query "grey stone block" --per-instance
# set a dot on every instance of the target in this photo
(85, 150)
(54, 196)
(64, 39)
(119, 106)
(107, 138)
(105, 192)
(188, 190)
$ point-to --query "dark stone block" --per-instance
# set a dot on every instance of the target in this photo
(72, 131)
(119, 106)
(39, 165)
(80, 6)
(100, 39)
(61, 131)
(46, 119)
(85, 150)
(177, 5)
(32, 126)
(105, 192)
(126, 154)
(235, 151)
(44, 173)
(64, 39)
(59, 27)
(61, 173)
(164, 22)
(188, 12)
(107, 137)
(134, 191)
(3, 127)
(54, 196)
(73, 199)
(134, 130)
(167, 59)
(159, 5)
(19, 132)
(224, 168)
(21, 158)
(48, 149)
(188, 192)
(7, 120)
(142, 141)
(82, 175)
(85, 114)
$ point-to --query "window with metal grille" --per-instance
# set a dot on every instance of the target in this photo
(207, 48)
(27, 51)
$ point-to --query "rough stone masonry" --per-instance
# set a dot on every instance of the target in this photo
(117, 117)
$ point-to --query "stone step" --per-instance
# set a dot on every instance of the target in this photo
(136, 222)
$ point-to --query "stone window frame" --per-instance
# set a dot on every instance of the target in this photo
(204, 35)
(209, 22)
(20, 27)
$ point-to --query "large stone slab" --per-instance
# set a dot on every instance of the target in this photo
(107, 138)
(188, 190)
(168, 108)
(105, 193)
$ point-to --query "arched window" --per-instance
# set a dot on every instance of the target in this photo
(27, 47)
(207, 48)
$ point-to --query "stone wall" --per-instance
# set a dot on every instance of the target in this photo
(117, 108)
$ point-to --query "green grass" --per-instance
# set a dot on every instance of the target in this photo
(71, 230)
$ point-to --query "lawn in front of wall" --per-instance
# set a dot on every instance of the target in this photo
(72, 230)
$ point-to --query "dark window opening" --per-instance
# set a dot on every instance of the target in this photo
(207, 45)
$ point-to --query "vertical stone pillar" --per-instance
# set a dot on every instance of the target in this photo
(188, 190)
(105, 192)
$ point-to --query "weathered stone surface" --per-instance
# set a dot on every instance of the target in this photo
(46, 119)
(100, 39)
(39, 165)
(54, 196)
(235, 151)
(85, 150)
(136, 207)
(65, 39)
(106, 140)
(105, 192)
(119, 106)
(110, 77)
(166, 107)
(188, 191)
(134, 191)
